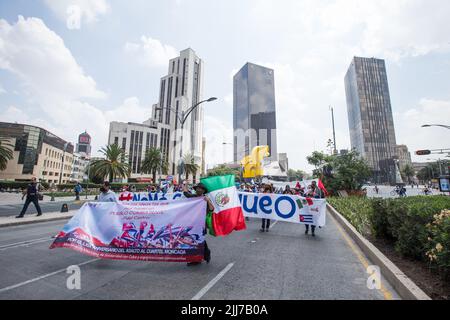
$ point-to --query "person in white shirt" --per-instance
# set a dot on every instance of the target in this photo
(107, 195)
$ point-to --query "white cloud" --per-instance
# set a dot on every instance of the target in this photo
(313, 43)
(216, 133)
(89, 10)
(40, 59)
(57, 85)
(409, 131)
(2, 90)
(150, 52)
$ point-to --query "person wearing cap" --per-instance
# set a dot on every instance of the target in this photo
(200, 191)
(106, 194)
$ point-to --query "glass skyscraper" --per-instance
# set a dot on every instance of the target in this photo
(370, 116)
(254, 117)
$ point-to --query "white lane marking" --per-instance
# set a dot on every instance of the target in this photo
(271, 226)
(206, 288)
(42, 277)
(24, 243)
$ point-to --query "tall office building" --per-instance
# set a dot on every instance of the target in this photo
(179, 90)
(84, 144)
(370, 116)
(254, 117)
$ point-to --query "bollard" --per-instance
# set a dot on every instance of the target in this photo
(96, 198)
(64, 208)
(52, 199)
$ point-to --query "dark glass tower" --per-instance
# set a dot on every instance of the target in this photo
(254, 117)
(370, 116)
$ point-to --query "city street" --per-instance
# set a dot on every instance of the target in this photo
(282, 264)
(385, 191)
(11, 204)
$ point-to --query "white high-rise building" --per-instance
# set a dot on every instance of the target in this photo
(179, 90)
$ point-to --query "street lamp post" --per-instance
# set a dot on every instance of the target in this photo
(62, 158)
(87, 182)
(435, 125)
(224, 151)
(182, 118)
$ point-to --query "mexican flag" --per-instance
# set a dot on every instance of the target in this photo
(227, 215)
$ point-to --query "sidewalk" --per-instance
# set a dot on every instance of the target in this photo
(7, 198)
(32, 218)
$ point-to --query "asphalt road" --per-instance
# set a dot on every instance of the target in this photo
(14, 209)
(282, 264)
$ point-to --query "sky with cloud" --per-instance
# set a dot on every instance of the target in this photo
(75, 65)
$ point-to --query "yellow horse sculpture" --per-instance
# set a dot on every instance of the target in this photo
(252, 163)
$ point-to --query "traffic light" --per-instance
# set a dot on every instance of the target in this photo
(423, 152)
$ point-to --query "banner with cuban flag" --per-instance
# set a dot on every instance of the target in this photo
(284, 207)
(281, 207)
(149, 231)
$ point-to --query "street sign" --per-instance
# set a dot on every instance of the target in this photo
(423, 152)
(444, 184)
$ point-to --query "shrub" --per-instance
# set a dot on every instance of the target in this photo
(419, 227)
(355, 209)
(408, 218)
(379, 219)
(438, 244)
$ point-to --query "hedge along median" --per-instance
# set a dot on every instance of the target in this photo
(419, 227)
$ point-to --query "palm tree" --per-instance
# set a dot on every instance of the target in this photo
(115, 164)
(154, 162)
(6, 153)
(408, 172)
(190, 167)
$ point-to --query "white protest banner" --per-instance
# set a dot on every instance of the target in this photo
(281, 207)
(152, 230)
(288, 208)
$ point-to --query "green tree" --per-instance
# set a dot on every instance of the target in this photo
(114, 165)
(190, 167)
(408, 172)
(223, 170)
(431, 171)
(6, 152)
(153, 163)
(349, 171)
(295, 175)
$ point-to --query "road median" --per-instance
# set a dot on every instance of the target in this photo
(405, 287)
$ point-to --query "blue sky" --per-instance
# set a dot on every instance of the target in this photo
(70, 79)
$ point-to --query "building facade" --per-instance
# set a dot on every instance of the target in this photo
(254, 116)
(37, 153)
(403, 156)
(79, 167)
(135, 139)
(179, 90)
(370, 118)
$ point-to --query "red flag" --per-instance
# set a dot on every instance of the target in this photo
(322, 187)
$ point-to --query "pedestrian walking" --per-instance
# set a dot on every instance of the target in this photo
(317, 193)
(78, 189)
(32, 195)
(200, 191)
(265, 225)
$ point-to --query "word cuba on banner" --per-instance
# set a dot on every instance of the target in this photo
(288, 208)
(151, 231)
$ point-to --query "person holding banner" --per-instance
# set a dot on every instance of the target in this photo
(200, 191)
(314, 192)
(107, 195)
(266, 222)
